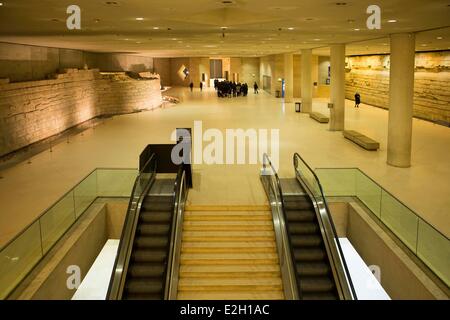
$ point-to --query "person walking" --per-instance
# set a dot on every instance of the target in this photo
(191, 86)
(255, 87)
(357, 100)
(201, 86)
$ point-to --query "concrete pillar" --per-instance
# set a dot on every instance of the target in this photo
(289, 77)
(337, 113)
(401, 94)
(306, 77)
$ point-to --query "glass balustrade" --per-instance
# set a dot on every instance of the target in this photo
(21, 254)
(426, 242)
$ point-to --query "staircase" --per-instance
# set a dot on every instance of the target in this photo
(229, 252)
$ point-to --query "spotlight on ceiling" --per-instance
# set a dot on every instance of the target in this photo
(392, 21)
(1, 4)
(439, 38)
(357, 29)
(155, 28)
(291, 28)
(139, 19)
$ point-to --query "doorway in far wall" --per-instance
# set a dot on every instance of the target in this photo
(216, 68)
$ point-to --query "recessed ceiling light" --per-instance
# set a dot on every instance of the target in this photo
(223, 28)
(316, 39)
(424, 45)
(155, 28)
(439, 38)
(290, 28)
(139, 19)
(174, 39)
(357, 29)
(392, 21)
(138, 42)
(1, 4)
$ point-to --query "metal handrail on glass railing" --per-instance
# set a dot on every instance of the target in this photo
(340, 268)
(172, 270)
(142, 185)
(285, 251)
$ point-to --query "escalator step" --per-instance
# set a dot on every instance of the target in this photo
(148, 270)
(319, 296)
(153, 229)
(140, 255)
(155, 216)
(144, 296)
(143, 242)
(309, 254)
(300, 215)
(303, 228)
(312, 269)
(297, 203)
(143, 285)
(306, 240)
(157, 203)
(316, 284)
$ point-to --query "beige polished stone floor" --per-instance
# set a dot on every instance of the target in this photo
(26, 190)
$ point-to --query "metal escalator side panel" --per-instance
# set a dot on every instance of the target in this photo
(334, 251)
(272, 187)
(142, 185)
(181, 189)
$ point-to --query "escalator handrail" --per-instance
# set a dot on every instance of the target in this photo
(179, 195)
(266, 160)
(123, 252)
(297, 157)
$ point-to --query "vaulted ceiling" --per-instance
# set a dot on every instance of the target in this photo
(171, 28)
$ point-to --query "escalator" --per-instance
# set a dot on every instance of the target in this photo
(310, 256)
(145, 278)
(146, 263)
(312, 263)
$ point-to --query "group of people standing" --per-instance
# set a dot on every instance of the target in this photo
(229, 88)
(232, 89)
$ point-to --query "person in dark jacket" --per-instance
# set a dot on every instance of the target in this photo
(357, 100)
(255, 87)
(191, 86)
(201, 86)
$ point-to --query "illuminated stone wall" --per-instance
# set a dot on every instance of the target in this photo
(35, 110)
(369, 75)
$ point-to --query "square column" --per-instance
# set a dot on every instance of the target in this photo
(337, 113)
(401, 95)
(289, 77)
(306, 84)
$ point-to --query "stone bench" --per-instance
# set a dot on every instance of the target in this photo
(361, 140)
(319, 117)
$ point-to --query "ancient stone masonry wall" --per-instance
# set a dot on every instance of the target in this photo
(35, 110)
(369, 75)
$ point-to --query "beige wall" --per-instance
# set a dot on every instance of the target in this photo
(26, 63)
(162, 67)
(369, 75)
(35, 110)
